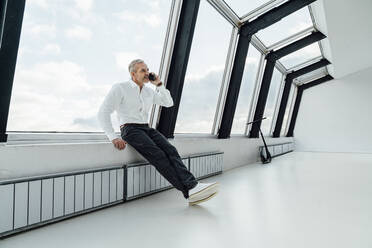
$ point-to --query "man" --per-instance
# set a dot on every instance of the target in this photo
(132, 101)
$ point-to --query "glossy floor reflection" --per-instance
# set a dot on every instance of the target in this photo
(299, 200)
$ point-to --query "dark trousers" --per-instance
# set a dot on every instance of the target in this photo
(154, 147)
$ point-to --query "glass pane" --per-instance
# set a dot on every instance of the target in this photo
(71, 53)
(246, 91)
(311, 75)
(286, 27)
(271, 102)
(307, 53)
(242, 7)
(286, 114)
(204, 72)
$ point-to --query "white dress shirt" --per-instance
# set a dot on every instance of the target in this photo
(131, 104)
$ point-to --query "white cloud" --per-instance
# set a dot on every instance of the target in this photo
(41, 3)
(137, 38)
(79, 32)
(203, 91)
(251, 60)
(152, 4)
(194, 77)
(53, 77)
(52, 48)
(152, 20)
(84, 5)
(311, 50)
(307, 52)
(47, 30)
(301, 55)
(199, 126)
(82, 13)
(124, 58)
(50, 96)
(300, 26)
(126, 15)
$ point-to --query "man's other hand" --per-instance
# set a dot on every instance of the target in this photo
(119, 143)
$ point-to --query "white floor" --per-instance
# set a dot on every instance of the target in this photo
(299, 200)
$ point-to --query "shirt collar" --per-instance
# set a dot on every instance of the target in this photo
(134, 85)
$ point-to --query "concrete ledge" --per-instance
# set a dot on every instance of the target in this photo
(35, 159)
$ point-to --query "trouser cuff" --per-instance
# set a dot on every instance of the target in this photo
(186, 191)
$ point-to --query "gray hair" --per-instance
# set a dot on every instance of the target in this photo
(132, 64)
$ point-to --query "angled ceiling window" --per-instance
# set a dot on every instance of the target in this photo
(271, 102)
(301, 56)
(312, 75)
(243, 7)
(246, 91)
(288, 26)
(204, 72)
(71, 53)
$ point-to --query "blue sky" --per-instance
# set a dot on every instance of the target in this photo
(72, 51)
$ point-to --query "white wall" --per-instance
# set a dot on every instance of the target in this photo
(40, 159)
(336, 116)
(347, 27)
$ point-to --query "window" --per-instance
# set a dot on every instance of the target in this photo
(271, 102)
(290, 25)
(204, 72)
(309, 52)
(242, 7)
(311, 75)
(71, 53)
(246, 91)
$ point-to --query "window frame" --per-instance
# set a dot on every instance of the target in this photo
(37, 137)
(23, 137)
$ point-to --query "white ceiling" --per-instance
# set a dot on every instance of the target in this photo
(348, 26)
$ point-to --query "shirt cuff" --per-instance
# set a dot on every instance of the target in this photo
(161, 88)
(112, 136)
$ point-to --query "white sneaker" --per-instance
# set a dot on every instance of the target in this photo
(202, 192)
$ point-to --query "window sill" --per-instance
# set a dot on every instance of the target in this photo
(27, 138)
(33, 138)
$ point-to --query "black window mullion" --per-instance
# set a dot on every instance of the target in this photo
(317, 82)
(263, 94)
(234, 87)
(178, 66)
(276, 14)
(12, 25)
